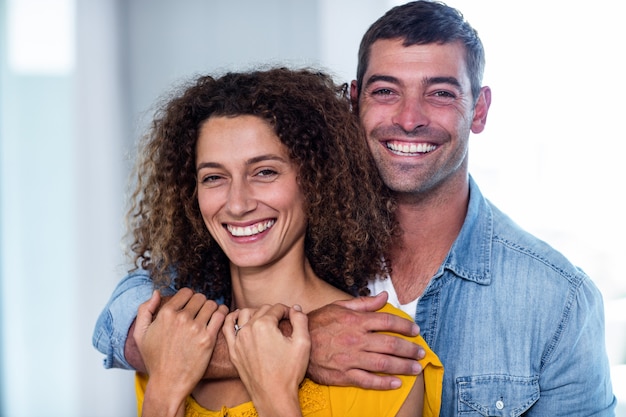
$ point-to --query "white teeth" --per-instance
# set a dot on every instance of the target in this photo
(411, 148)
(250, 230)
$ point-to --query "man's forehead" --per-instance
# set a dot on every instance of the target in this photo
(391, 56)
(396, 48)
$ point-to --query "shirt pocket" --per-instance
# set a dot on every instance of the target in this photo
(496, 395)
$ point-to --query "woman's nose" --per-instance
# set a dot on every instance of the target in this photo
(240, 199)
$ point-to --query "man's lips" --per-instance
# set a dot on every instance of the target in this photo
(409, 148)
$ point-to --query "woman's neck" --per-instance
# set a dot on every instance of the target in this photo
(284, 282)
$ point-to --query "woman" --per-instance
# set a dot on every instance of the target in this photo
(258, 189)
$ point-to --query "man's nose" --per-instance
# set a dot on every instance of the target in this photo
(410, 114)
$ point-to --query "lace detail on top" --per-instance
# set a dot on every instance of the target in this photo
(193, 409)
(312, 397)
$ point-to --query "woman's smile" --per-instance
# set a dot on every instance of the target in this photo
(250, 230)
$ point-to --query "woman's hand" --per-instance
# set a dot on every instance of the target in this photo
(176, 347)
(270, 365)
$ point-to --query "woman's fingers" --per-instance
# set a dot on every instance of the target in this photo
(300, 323)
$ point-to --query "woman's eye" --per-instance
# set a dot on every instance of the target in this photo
(266, 173)
(208, 179)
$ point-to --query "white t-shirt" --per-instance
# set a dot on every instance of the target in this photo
(378, 285)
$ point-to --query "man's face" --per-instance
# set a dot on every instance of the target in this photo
(417, 110)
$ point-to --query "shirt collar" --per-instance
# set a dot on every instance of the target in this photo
(470, 255)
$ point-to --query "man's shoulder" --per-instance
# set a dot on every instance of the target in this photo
(492, 243)
(512, 246)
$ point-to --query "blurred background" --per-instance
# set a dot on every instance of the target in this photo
(78, 79)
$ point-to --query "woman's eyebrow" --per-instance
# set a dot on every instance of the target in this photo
(254, 160)
(267, 157)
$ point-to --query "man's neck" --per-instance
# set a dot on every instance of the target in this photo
(429, 228)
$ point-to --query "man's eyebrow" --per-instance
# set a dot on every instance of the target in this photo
(427, 81)
(442, 80)
(385, 78)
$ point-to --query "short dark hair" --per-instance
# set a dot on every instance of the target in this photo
(424, 22)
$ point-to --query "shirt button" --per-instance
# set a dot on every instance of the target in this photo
(499, 405)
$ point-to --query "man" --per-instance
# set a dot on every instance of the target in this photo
(520, 330)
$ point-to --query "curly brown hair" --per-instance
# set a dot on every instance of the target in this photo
(349, 210)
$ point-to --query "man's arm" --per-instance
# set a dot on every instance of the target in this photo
(347, 348)
(131, 351)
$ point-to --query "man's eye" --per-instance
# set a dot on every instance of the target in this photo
(382, 92)
(443, 94)
(442, 97)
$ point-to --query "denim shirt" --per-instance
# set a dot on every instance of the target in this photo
(518, 328)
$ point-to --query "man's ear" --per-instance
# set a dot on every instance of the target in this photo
(354, 97)
(481, 109)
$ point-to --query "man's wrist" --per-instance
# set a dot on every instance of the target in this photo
(131, 351)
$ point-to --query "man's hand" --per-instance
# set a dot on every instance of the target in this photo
(349, 350)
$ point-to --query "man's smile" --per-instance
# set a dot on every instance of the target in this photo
(409, 148)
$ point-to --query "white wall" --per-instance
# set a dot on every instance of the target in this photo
(551, 155)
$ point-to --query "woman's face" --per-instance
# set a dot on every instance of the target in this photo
(247, 191)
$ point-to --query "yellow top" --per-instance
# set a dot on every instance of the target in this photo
(325, 401)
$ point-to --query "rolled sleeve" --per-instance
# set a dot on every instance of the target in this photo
(112, 326)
